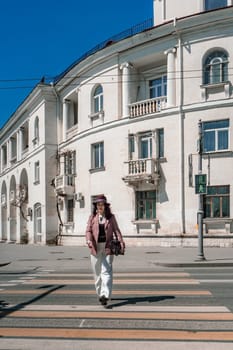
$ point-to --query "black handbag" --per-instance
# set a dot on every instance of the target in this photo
(115, 246)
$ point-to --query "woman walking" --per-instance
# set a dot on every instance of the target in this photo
(101, 227)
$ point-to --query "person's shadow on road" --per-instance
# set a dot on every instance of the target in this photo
(117, 302)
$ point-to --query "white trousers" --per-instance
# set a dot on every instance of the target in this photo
(102, 268)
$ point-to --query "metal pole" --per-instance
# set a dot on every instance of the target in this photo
(200, 212)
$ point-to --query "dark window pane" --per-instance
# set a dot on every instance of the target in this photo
(225, 207)
(216, 207)
(161, 143)
(214, 4)
(216, 124)
(209, 141)
(223, 139)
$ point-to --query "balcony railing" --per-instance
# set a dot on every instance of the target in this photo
(64, 184)
(145, 107)
(142, 170)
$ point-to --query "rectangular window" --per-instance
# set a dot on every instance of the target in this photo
(13, 148)
(216, 136)
(217, 202)
(161, 143)
(158, 87)
(131, 146)
(70, 210)
(37, 172)
(38, 219)
(146, 146)
(97, 151)
(145, 205)
(70, 163)
(214, 4)
(4, 156)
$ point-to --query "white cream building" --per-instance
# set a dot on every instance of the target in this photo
(123, 121)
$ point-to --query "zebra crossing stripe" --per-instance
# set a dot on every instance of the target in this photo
(195, 316)
(115, 292)
(116, 281)
(119, 274)
(122, 334)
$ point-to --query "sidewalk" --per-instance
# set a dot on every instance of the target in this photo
(19, 256)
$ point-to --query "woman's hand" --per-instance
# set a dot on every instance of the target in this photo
(89, 244)
(122, 247)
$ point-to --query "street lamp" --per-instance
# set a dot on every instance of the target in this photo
(200, 189)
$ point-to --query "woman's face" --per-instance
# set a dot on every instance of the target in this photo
(100, 208)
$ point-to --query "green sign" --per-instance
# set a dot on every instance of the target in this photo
(200, 184)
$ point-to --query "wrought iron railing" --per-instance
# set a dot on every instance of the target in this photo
(138, 28)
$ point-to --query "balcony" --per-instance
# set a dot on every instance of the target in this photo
(145, 107)
(142, 170)
(64, 185)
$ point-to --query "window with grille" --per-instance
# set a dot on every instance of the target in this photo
(217, 202)
(70, 210)
(145, 205)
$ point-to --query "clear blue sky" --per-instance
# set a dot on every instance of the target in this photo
(42, 38)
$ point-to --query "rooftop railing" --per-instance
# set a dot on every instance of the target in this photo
(138, 28)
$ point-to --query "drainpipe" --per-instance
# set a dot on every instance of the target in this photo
(181, 129)
(59, 124)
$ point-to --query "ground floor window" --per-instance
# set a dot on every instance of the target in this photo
(146, 205)
(217, 202)
(70, 210)
(37, 218)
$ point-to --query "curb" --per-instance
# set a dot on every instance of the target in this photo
(195, 264)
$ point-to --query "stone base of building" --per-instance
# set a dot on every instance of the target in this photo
(187, 240)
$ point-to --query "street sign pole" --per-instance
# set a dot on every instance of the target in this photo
(200, 212)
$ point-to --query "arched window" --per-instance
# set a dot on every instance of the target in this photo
(37, 219)
(216, 68)
(98, 99)
(36, 131)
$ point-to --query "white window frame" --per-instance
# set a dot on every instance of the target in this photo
(37, 172)
(216, 132)
(100, 161)
(163, 86)
(70, 163)
(98, 99)
(217, 62)
(36, 131)
(148, 138)
(37, 219)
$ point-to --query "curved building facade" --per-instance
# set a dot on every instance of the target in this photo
(125, 121)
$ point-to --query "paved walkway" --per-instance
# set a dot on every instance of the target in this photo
(135, 257)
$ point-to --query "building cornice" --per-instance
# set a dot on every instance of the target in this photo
(39, 92)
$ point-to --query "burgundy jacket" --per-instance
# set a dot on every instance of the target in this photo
(92, 233)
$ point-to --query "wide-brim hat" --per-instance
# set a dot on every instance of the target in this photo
(101, 198)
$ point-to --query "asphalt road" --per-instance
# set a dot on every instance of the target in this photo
(47, 300)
